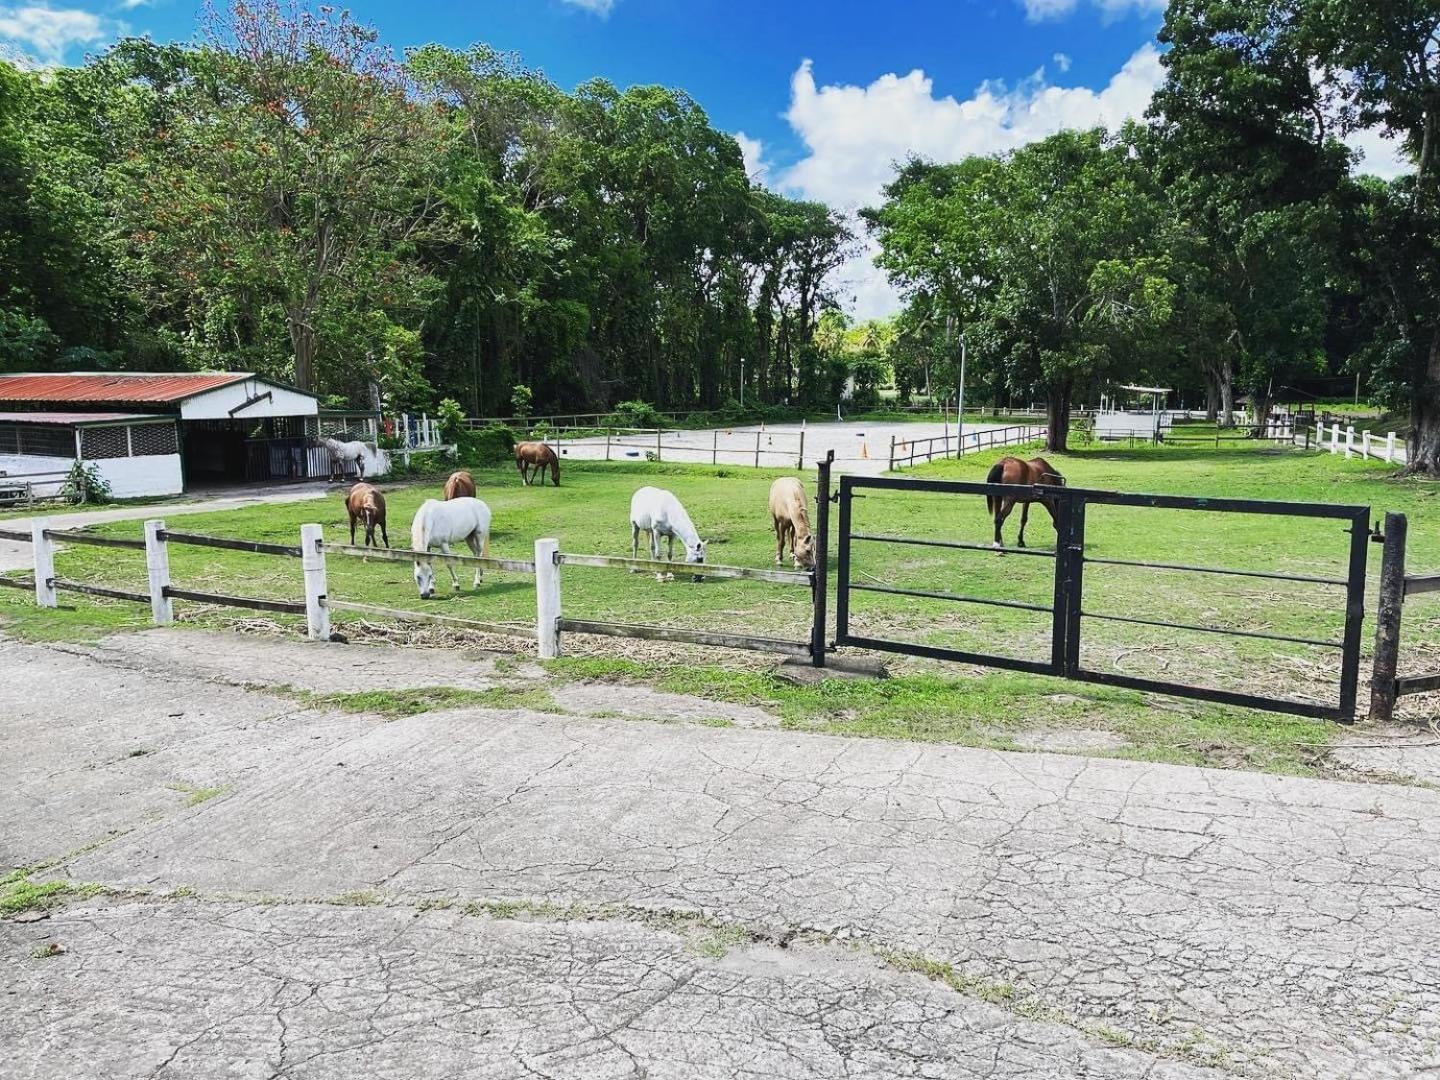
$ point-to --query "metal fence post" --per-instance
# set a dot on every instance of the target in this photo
(820, 577)
(312, 561)
(800, 460)
(658, 447)
(1387, 621)
(757, 449)
(892, 453)
(44, 563)
(157, 568)
(607, 444)
(715, 446)
(547, 597)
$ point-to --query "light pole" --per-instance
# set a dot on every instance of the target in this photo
(960, 412)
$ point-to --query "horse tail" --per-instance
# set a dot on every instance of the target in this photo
(996, 475)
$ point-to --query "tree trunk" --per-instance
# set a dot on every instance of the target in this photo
(1227, 395)
(1423, 444)
(1057, 415)
(302, 341)
(1212, 397)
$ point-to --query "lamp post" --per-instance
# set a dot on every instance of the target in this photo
(960, 411)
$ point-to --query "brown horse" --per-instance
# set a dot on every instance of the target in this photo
(366, 503)
(1011, 470)
(461, 485)
(531, 458)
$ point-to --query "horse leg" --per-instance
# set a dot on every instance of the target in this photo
(478, 546)
(352, 530)
(670, 547)
(1024, 517)
(384, 535)
(779, 541)
(520, 464)
(454, 577)
(1002, 511)
(634, 545)
(360, 468)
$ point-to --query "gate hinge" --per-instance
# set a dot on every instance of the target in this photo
(1376, 536)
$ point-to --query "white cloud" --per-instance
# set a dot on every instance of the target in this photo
(1062, 61)
(1379, 156)
(855, 134)
(131, 5)
(597, 7)
(753, 151)
(49, 33)
(1041, 10)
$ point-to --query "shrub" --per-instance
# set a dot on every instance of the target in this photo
(84, 484)
(636, 414)
(493, 444)
(521, 400)
(451, 418)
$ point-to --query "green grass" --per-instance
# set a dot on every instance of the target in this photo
(413, 701)
(946, 703)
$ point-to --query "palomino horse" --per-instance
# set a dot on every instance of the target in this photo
(440, 524)
(460, 485)
(531, 458)
(365, 503)
(791, 518)
(1011, 470)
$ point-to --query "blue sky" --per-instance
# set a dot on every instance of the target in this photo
(823, 96)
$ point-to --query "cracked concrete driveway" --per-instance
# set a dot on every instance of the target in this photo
(483, 892)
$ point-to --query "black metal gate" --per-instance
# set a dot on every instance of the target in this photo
(1067, 609)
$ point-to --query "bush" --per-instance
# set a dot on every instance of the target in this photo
(492, 444)
(84, 484)
(521, 400)
(635, 414)
(451, 418)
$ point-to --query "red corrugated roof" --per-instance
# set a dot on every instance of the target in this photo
(77, 417)
(102, 387)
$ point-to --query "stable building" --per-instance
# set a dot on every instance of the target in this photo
(165, 433)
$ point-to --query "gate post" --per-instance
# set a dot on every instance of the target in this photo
(842, 567)
(820, 576)
(157, 567)
(547, 597)
(44, 552)
(312, 561)
(1387, 622)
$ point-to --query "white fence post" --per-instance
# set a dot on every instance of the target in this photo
(44, 563)
(1365, 444)
(157, 566)
(547, 598)
(1350, 441)
(1334, 436)
(312, 560)
(1390, 447)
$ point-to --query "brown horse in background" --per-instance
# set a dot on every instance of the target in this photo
(531, 458)
(461, 485)
(366, 503)
(1011, 470)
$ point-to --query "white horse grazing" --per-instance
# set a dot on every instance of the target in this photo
(440, 524)
(659, 513)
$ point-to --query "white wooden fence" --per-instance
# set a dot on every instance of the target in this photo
(313, 553)
(1331, 437)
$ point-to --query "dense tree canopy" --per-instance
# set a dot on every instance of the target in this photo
(289, 197)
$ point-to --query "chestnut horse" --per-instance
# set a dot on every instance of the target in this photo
(531, 458)
(461, 485)
(1011, 470)
(366, 503)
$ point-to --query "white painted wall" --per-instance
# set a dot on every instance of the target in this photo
(129, 477)
(216, 404)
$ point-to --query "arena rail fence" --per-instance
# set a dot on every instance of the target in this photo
(1396, 585)
(1068, 609)
(906, 452)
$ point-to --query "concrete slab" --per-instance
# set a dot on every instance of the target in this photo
(1264, 925)
(203, 991)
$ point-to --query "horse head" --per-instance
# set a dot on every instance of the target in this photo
(425, 578)
(805, 552)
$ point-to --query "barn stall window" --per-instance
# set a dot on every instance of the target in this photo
(97, 444)
(41, 440)
(153, 439)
